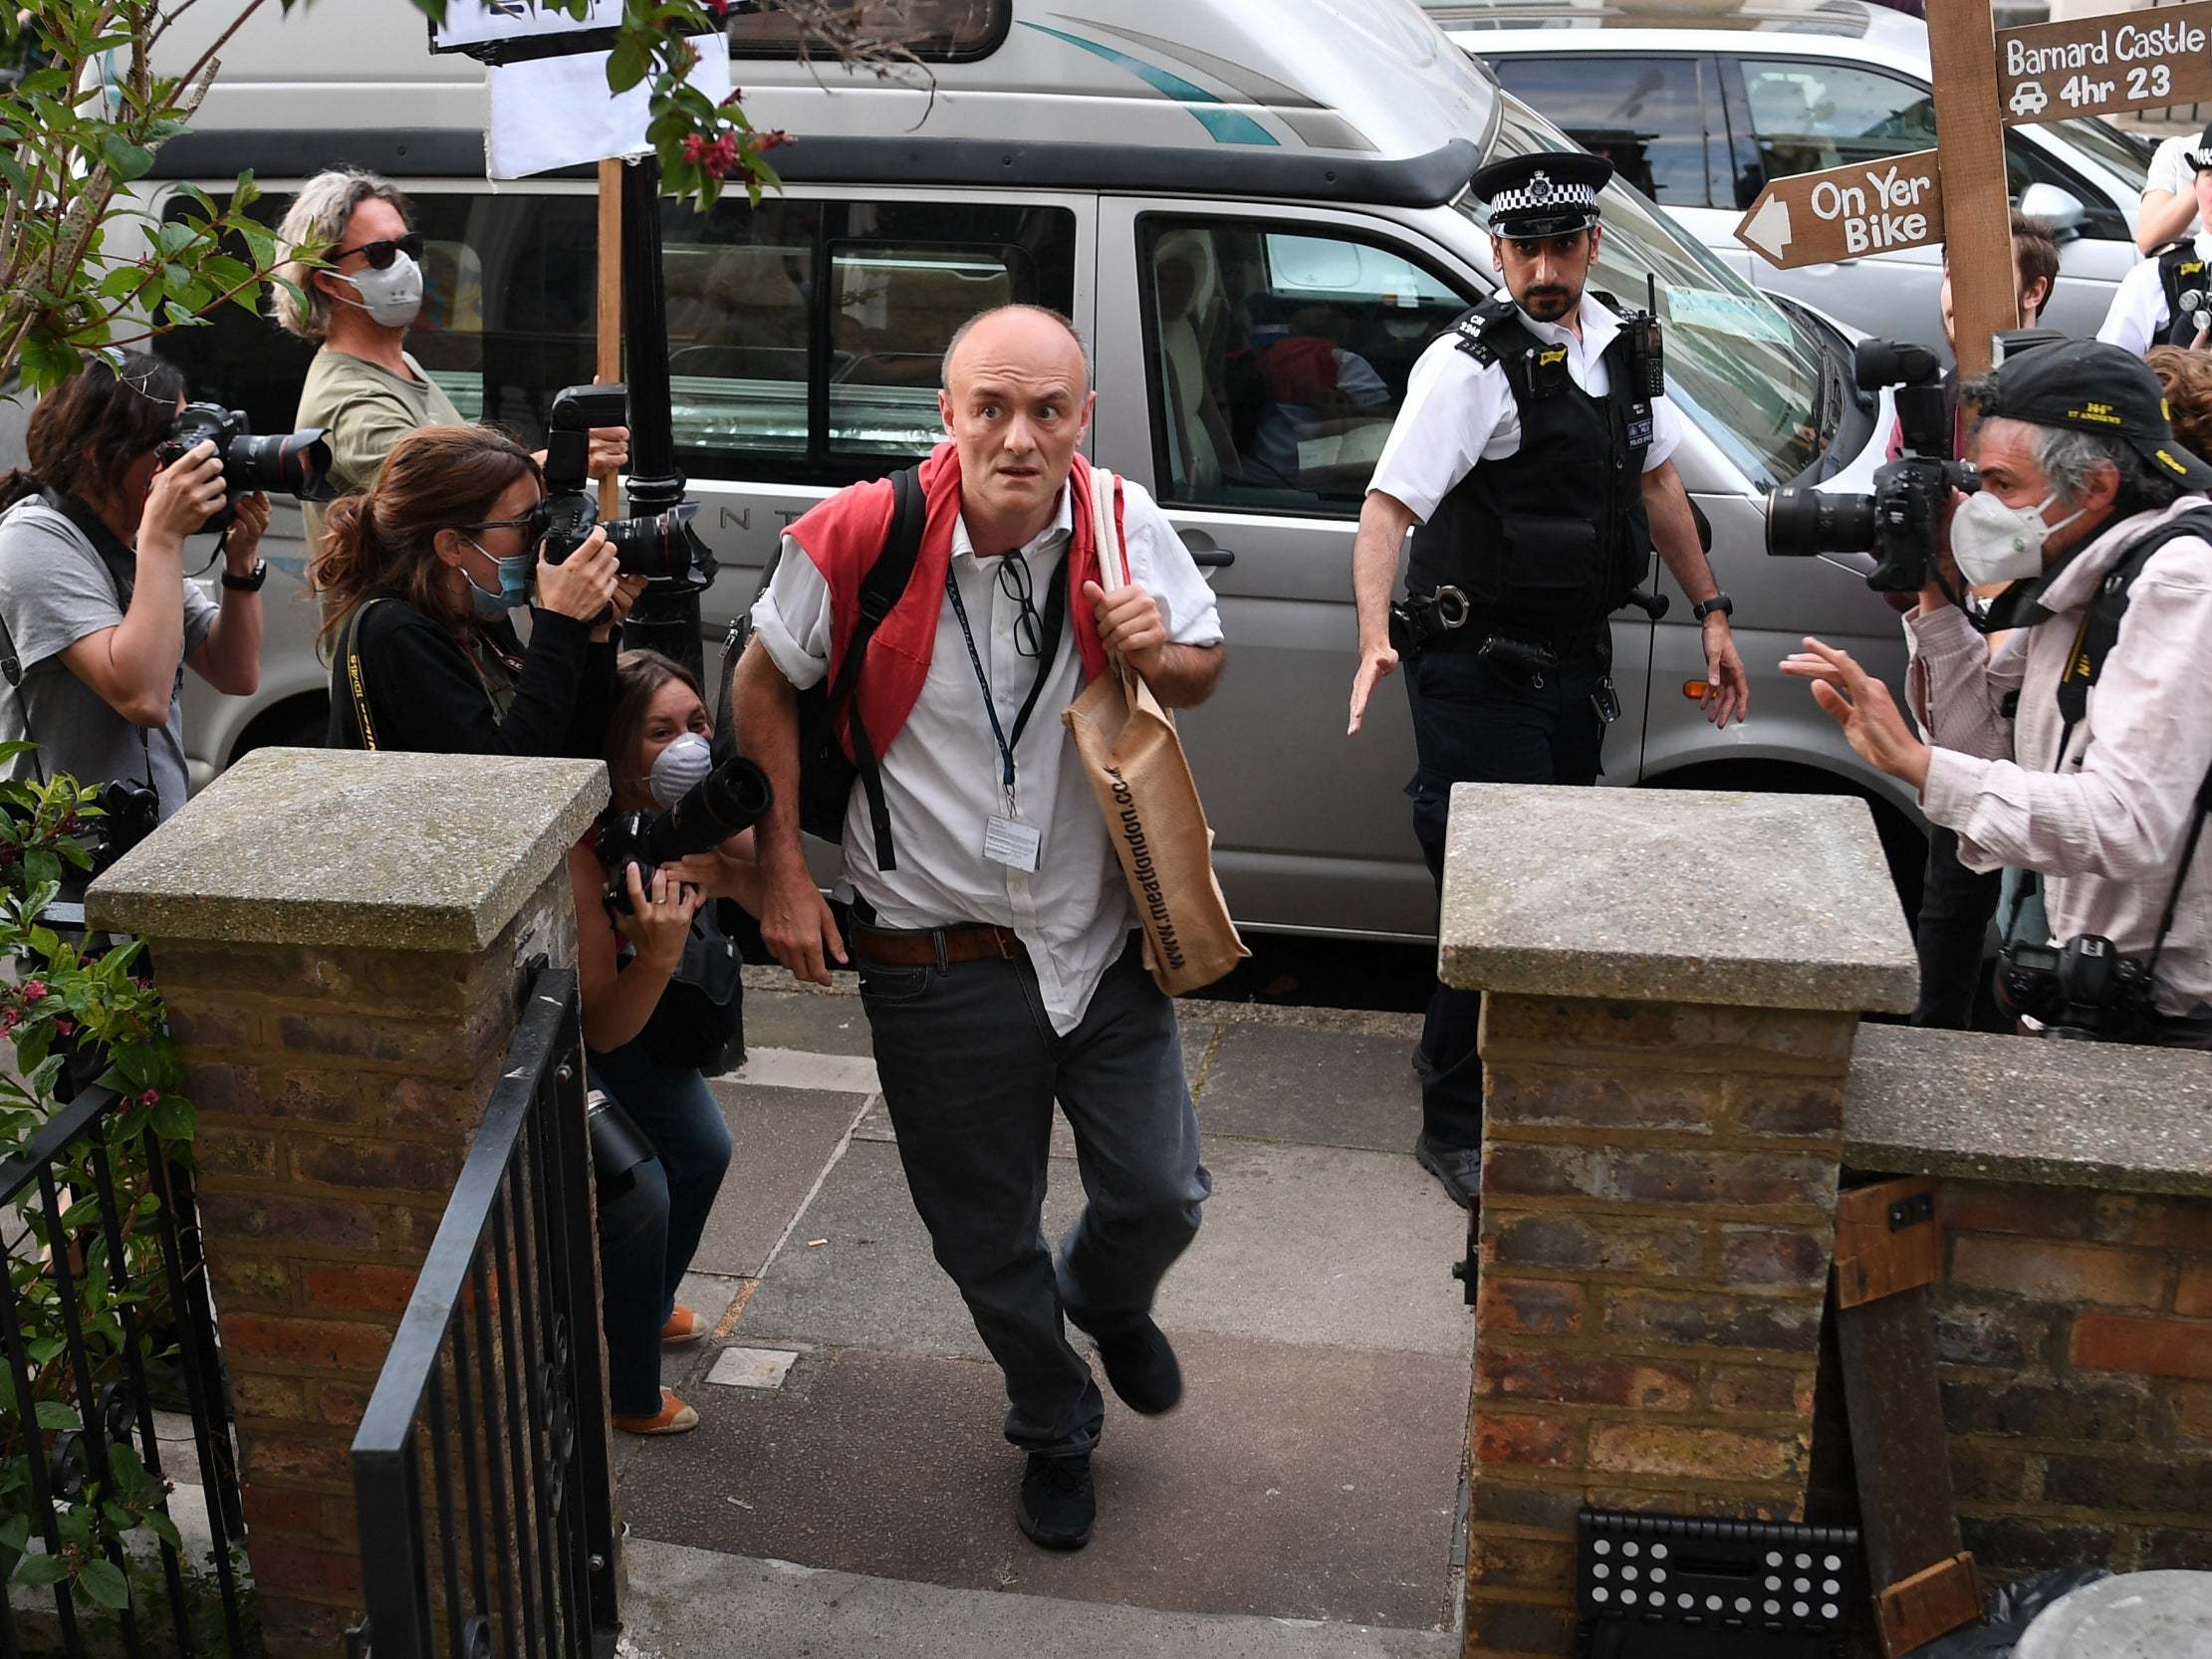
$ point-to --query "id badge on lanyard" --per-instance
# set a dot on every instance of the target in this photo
(1007, 841)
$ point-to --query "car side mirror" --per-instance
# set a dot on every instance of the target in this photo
(2061, 211)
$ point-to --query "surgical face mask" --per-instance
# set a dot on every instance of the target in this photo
(393, 295)
(1994, 542)
(676, 768)
(514, 584)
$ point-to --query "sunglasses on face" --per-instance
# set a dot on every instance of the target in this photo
(380, 254)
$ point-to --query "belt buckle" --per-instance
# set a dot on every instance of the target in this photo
(1004, 938)
(1451, 607)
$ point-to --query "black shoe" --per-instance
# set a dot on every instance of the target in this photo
(1058, 1502)
(1141, 1366)
(1459, 1168)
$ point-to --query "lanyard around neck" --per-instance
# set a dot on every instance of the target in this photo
(1055, 615)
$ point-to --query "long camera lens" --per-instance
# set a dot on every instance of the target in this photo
(660, 545)
(724, 803)
(282, 463)
(1802, 523)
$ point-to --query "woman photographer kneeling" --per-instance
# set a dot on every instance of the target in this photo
(418, 575)
(662, 1009)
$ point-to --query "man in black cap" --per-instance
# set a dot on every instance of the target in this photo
(1532, 454)
(2099, 520)
(2162, 302)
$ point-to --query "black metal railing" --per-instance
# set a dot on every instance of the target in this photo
(107, 1315)
(495, 1370)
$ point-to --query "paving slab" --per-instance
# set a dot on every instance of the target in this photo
(1320, 1087)
(1255, 1498)
(1298, 1243)
(806, 1020)
(686, 1603)
(783, 1137)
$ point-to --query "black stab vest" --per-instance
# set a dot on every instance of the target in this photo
(1552, 540)
(2180, 271)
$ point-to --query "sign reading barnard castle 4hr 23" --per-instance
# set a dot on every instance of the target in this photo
(2099, 66)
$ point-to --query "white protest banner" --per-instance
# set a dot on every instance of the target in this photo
(552, 113)
(471, 23)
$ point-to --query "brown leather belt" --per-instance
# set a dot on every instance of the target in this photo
(920, 950)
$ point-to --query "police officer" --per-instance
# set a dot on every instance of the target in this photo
(1532, 454)
(2162, 302)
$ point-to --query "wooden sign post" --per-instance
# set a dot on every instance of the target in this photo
(608, 363)
(1977, 207)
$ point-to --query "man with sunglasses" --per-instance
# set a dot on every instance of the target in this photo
(364, 389)
(993, 931)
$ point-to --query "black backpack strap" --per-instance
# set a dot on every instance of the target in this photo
(2101, 626)
(880, 589)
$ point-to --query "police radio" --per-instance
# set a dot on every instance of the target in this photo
(1646, 361)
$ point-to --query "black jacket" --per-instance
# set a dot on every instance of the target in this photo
(426, 696)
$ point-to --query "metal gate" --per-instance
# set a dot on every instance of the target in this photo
(495, 1372)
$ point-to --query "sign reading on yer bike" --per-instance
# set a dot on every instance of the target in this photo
(1868, 207)
(2098, 66)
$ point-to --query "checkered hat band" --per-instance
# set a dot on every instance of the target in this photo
(2199, 159)
(1549, 196)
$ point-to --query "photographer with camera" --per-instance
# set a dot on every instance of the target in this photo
(358, 303)
(2078, 751)
(662, 1009)
(2163, 301)
(98, 614)
(418, 577)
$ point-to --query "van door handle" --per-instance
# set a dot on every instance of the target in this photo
(1204, 552)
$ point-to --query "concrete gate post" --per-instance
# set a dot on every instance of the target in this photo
(339, 939)
(1673, 981)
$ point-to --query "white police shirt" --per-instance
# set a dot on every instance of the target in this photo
(2140, 316)
(941, 773)
(1459, 413)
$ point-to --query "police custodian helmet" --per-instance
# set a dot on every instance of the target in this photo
(1554, 193)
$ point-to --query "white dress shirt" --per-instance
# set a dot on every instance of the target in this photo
(1459, 413)
(2140, 316)
(942, 775)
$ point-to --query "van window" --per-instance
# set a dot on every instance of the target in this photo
(805, 336)
(1278, 360)
(1646, 116)
(938, 29)
(506, 318)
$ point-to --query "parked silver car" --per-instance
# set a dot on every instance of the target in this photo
(1699, 103)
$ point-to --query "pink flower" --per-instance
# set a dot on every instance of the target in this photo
(720, 155)
(150, 1097)
(694, 149)
(64, 1025)
(735, 96)
(775, 139)
(10, 1018)
(33, 990)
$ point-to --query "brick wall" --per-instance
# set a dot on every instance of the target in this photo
(339, 1091)
(1657, 1218)
(2074, 1331)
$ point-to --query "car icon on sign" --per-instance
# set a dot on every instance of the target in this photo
(2029, 99)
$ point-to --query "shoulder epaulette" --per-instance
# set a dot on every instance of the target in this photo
(1473, 329)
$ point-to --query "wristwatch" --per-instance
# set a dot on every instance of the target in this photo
(251, 582)
(1719, 603)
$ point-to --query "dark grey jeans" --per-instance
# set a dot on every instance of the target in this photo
(970, 1068)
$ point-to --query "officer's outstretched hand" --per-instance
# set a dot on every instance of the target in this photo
(1375, 666)
(1727, 686)
(1862, 706)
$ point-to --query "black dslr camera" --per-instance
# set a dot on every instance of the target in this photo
(1898, 524)
(130, 813)
(721, 805)
(2084, 990)
(281, 463)
(662, 546)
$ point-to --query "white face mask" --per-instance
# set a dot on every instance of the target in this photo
(393, 296)
(683, 763)
(1994, 542)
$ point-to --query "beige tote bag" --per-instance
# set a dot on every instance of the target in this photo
(1153, 816)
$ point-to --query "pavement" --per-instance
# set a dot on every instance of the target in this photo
(848, 1491)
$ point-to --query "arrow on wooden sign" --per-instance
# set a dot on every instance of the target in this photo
(1868, 207)
(2100, 65)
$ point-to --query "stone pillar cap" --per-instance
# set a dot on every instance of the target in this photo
(379, 852)
(1674, 895)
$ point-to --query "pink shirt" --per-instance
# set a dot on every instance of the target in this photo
(2106, 822)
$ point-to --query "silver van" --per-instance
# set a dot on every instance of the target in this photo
(1183, 185)
(1699, 103)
